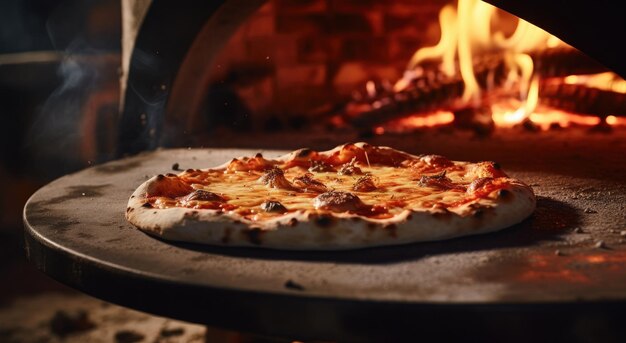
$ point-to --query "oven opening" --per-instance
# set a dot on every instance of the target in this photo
(389, 68)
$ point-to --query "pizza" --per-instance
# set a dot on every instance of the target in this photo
(353, 196)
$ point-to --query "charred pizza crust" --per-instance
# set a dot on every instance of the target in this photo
(302, 201)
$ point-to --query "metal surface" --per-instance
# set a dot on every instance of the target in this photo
(550, 271)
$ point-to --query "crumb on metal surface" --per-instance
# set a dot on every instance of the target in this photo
(293, 285)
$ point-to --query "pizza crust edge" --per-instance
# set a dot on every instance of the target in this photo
(303, 230)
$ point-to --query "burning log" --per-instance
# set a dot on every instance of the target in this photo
(563, 62)
(584, 100)
(434, 90)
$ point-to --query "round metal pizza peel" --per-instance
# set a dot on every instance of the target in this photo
(553, 270)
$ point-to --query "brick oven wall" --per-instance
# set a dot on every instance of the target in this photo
(295, 57)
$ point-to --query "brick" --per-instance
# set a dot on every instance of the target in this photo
(302, 23)
(258, 96)
(415, 7)
(261, 50)
(324, 23)
(350, 74)
(376, 21)
(403, 47)
(300, 75)
(301, 6)
(408, 24)
(342, 23)
(385, 72)
(353, 75)
(423, 3)
(285, 48)
(267, 9)
(365, 49)
(355, 5)
(297, 101)
(260, 25)
(313, 49)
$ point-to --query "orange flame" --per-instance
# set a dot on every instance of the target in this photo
(474, 27)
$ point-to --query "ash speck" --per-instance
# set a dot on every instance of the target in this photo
(290, 284)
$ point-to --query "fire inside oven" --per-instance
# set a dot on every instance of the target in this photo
(463, 79)
(376, 68)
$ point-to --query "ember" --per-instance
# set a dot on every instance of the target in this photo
(489, 60)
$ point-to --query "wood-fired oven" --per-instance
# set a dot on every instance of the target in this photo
(204, 79)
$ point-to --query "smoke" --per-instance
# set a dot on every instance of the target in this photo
(56, 138)
(55, 133)
(146, 94)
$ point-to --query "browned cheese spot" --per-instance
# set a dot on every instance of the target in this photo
(440, 181)
(202, 195)
(436, 161)
(275, 178)
(321, 167)
(146, 205)
(308, 184)
(338, 201)
(478, 184)
(273, 206)
(350, 168)
(365, 184)
(293, 222)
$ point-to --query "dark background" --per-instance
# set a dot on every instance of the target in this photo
(57, 58)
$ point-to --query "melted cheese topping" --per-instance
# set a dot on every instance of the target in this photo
(386, 187)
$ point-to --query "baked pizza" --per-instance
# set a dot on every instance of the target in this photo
(353, 196)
